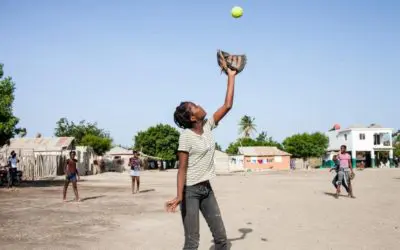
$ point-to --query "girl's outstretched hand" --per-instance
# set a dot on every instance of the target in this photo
(231, 72)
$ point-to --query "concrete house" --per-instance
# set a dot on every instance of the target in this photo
(372, 145)
(261, 158)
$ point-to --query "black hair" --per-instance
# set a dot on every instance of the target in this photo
(343, 146)
(72, 152)
(182, 116)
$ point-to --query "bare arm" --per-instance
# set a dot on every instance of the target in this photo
(224, 109)
(183, 164)
(350, 165)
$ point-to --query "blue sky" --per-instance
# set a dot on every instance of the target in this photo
(127, 64)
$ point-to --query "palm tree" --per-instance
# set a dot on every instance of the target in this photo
(247, 126)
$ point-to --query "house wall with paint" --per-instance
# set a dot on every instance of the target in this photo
(267, 162)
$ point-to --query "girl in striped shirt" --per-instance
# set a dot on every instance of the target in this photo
(196, 168)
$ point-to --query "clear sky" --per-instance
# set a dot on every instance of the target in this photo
(128, 64)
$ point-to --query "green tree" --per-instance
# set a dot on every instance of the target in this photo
(100, 145)
(85, 134)
(262, 140)
(263, 136)
(22, 132)
(306, 145)
(70, 129)
(247, 126)
(218, 147)
(160, 141)
(396, 144)
(8, 122)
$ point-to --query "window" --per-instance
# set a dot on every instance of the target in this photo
(377, 139)
(362, 136)
(386, 139)
(345, 137)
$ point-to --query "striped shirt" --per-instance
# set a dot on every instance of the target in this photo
(201, 150)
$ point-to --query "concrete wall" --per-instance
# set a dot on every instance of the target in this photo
(368, 143)
(236, 163)
(337, 139)
(221, 161)
(354, 142)
(267, 162)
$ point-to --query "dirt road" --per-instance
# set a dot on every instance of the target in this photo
(279, 211)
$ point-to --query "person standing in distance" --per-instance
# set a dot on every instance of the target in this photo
(134, 163)
(345, 169)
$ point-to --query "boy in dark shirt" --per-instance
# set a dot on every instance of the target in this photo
(71, 175)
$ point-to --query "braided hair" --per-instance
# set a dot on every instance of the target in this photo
(182, 116)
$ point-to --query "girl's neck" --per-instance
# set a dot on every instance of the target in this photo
(198, 127)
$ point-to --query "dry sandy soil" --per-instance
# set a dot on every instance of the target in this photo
(270, 210)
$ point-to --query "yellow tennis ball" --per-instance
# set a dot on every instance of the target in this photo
(237, 12)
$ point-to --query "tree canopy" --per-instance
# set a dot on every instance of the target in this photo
(99, 144)
(8, 122)
(247, 126)
(85, 134)
(161, 141)
(396, 144)
(261, 140)
(306, 145)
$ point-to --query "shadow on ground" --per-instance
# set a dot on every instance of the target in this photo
(243, 231)
(147, 190)
(333, 195)
(91, 198)
(41, 183)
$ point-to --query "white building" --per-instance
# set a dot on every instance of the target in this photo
(372, 144)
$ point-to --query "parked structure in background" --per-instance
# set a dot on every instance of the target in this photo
(262, 158)
(45, 157)
(118, 157)
(221, 162)
(369, 146)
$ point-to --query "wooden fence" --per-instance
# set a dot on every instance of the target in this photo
(37, 164)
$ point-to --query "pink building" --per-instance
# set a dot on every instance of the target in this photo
(262, 158)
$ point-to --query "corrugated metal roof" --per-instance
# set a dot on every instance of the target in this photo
(40, 144)
(262, 151)
(119, 151)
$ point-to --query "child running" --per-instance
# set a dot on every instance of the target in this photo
(196, 168)
(71, 175)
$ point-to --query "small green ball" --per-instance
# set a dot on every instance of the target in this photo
(237, 12)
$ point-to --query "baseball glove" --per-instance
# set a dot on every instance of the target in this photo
(233, 62)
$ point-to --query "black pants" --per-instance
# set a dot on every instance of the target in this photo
(12, 174)
(344, 184)
(200, 197)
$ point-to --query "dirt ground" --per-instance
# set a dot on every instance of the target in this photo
(270, 210)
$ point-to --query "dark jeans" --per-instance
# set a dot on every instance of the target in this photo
(344, 184)
(12, 174)
(200, 197)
